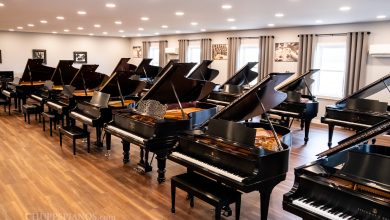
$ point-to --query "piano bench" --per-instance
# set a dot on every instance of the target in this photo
(52, 119)
(207, 190)
(6, 102)
(28, 109)
(75, 133)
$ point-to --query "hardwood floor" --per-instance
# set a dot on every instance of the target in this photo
(41, 180)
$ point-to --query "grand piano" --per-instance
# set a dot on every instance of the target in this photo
(169, 107)
(297, 105)
(349, 181)
(357, 112)
(34, 76)
(146, 71)
(234, 86)
(202, 72)
(245, 156)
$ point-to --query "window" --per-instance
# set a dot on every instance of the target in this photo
(154, 54)
(193, 54)
(249, 52)
(330, 58)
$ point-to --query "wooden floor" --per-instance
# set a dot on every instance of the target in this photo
(41, 180)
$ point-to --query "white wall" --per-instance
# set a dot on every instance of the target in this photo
(376, 68)
(16, 48)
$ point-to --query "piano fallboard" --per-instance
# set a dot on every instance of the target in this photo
(296, 109)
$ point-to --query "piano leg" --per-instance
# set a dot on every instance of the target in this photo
(331, 129)
(307, 127)
(302, 123)
(265, 190)
(161, 163)
(108, 144)
(126, 151)
(99, 137)
(143, 165)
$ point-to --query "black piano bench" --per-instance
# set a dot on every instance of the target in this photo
(28, 109)
(207, 190)
(52, 119)
(6, 102)
(75, 133)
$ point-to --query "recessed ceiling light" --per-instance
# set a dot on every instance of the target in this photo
(381, 16)
(54, 32)
(203, 30)
(226, 7)
(80, 28)
(121, 31)
(144, 18)
(179, 13)
(20, 28)
(97, 25)
(110, 5)
(177, 32)
(279, 15)
(90, 34)
(82, 12)
(318, 21)
(105, 33)
(30, 25)
(118, 22)
(233, 27)
(270, 25)
(164, 26)
(60, 17)
(194, 23)
(345, 8)
(123, 36)
(66, 30)
(140, 29)
(43, 21)
(156, 33)
(1, 4)
(11, 29)
(139, 35)
(231, 19)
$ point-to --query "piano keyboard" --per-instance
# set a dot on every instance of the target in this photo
(209, 167)
(54, 105)
(125, 133)
(6, 93)
(283, 112)
(218, 102)
(321, 209)
(347, 122)
(83, 118)
(38, 98)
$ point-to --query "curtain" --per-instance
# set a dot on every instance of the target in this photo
(161, 49)
(233, 52)
(357, 50)
(306, 52)
(183, 49)
(205, 49)
(145, 49)
(266, 54)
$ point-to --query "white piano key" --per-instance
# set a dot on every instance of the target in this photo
(54, 105)
(284, 112)
(347, 122)
(81, 117)
(125, 133)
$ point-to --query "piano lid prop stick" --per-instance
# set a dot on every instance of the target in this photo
(387, 86)
(62, 79)
(85, 87)
(30, 74)
(178, 101)
(120, 92)
(307, 86)
(272, 127)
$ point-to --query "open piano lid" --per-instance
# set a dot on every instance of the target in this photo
(142, 67)
(38, 71)
(64, 72)
(243, 76)
(87, 75)
(248, 105)
(357, 138)
(124, 66)
(298, 82)
(127, 86)
(166, 67)
(186, 89)
(202, 71)
(368, 90)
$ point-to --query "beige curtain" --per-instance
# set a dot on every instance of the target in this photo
(161, 49)
(205, 49)
(306, 52)
(145, 49)
(357, 50)
(233, 54)
(266, 55)
(183, 49)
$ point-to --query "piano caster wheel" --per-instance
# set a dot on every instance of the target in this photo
(107, 155)
(226, 211)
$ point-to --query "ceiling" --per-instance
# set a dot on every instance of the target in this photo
(209, 15)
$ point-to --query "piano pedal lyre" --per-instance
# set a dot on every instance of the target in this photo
(226, 211)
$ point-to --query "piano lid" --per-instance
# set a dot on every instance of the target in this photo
(35, 71)
(127, 86)
(64, 72)
(357, 138)
(174, 80)
(202, 71)
(248, 105)
(243, 76)
(368, 90)
(100, 99)
(165, 68)
(124, 66)
(86, 76)
(298, 82)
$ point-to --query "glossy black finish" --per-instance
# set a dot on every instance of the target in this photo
(202, 72)
(35, 71)
(145, 70)
(64, 73)
(243, 76)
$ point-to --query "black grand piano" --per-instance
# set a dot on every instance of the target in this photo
(297, 105)
(34, 76)
(146, 71)
(168, 107)
(349, 181)
(357, 112)
(244, 156)
(234, 86)
(203, 72)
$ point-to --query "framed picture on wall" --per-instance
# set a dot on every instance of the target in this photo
(219, 51)
(137, 52)
(286, 52)
(80, 57)
(39, 54)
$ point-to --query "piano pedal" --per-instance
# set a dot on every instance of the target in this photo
(142, 168)
(226, 211)
(108, 154)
